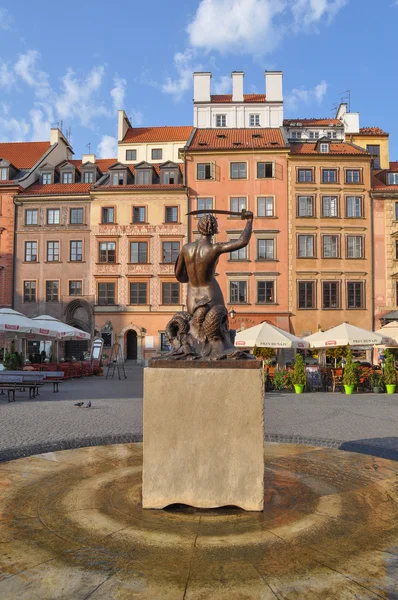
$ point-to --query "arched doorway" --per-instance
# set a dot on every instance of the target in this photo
(131, 344)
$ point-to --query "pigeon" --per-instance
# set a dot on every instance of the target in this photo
(88, 404)
(79, 404)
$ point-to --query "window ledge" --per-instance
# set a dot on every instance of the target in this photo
(30, 262)
(267, 304)
(77, 261)
(171, 223)
(108, 223)
(275, 260)
(53, 262)
(107, 263)
(266, 217)
(139, 223)
(137, 263)
(239, 303)
(237, 260)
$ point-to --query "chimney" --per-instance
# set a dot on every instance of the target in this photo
(88, 158)
(273, 86)
(237, 86)
(122, 125)
(201, 87)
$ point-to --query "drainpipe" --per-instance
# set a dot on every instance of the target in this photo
(372, 260)
(187, 193)
(14, 252)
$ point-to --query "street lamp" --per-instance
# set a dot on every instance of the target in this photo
(232, 313)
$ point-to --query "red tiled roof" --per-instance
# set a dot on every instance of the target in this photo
(335, 148)
(394, 166)
(133, 186)
(313, 122)
(102, 163)
(237, 139)
(140, 135)
(371, 131)
(23, 155)
(57, 189)
(156, 166)
(227, 98)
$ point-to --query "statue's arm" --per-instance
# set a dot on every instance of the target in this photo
(180, 269)
(242, 241)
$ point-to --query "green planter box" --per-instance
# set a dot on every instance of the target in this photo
(298, 388)
(349, 389)
(390, 387)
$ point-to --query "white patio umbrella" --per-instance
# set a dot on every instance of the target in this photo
(16, 324)
(268, 336)
(390, 330)
(346, 335)
(63, 331)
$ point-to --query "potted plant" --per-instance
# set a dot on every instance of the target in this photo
(350, 379)
(299, 378)
(390, 376)
(376, 382)
(278, 380)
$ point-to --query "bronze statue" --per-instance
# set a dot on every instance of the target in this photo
(202, 332)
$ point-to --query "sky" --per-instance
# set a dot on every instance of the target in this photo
(77, 63)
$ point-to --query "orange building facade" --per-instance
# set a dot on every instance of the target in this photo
(235, 169)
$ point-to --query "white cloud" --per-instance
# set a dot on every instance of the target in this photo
(183, 62)
(237, 26)
(223, 85)
(5, 19)
(26, 68)
(7, 77)
(107, 148)
(306, 96)
(118, 92)
(136, 118)
(307, 13)
(41, 123)
(13, 130)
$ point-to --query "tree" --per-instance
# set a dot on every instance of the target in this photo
(390, 376)
(267, 354)
(350, 374)
(336, 353)
(299, 377)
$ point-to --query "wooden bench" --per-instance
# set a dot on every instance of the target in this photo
(54, 377)
(13, 383)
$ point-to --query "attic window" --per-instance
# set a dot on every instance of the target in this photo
(257, 135)
(324, 148)
(202, 143)
(274, 143)
(221, 136)
(46, 178)
(237, 143)
(4, 173)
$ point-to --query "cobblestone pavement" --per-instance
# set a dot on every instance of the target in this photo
(363, 422)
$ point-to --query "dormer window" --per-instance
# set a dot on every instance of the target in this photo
(67, 177)
(324, 148)
(221, 120)
(296, 135)
(392, 178)
(314, 135)
(88, 177)
(254, 120)
(143, 177)
(118, 178)
(4, 173)
(169, 176)
(46, 178)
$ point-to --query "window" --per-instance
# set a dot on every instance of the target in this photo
(4, 173)
(76, 216)
(296, 135)
(203, 171)
(306, 294)
(330, 246)
(138, 214)
(374, 150)
(164, 342)
(305, 206)
(265, 170)
(76, 250)
(138, 293)
(396, 293)
(143, 177)
(171, 214)
(238, 204)
(131, 154)
(353, 176)
(354, 207)
(396, 249)
(46, 178)
(324, 148)
(75, 288)
(329, 175)
(107, 252)
(396, 211)
(314, 135)
(266, 249)
(67, 177)
(205, 204)
(305, 246)
(156, 153)
(169, 176)
(106, 294)
(118, 178)
(52, 251)
(88, 177)
(29, 291)
(139, 252)
(107, 337)
(240, 254)
(52, 291)
(254, 120)
(30, 251)
(304, 175)
(332, 134)
(31, 217)
(265, 206)
(108, 215)
(355, 294)
(238, 292)
(331, 294)
(53, 216)
(221, 120)
(266, 292)
(392, 178)
(330, 206)
(238, 170)
(170, 293)
(170, 252)
(354, 246)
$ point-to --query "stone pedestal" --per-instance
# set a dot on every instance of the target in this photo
(204, 434)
